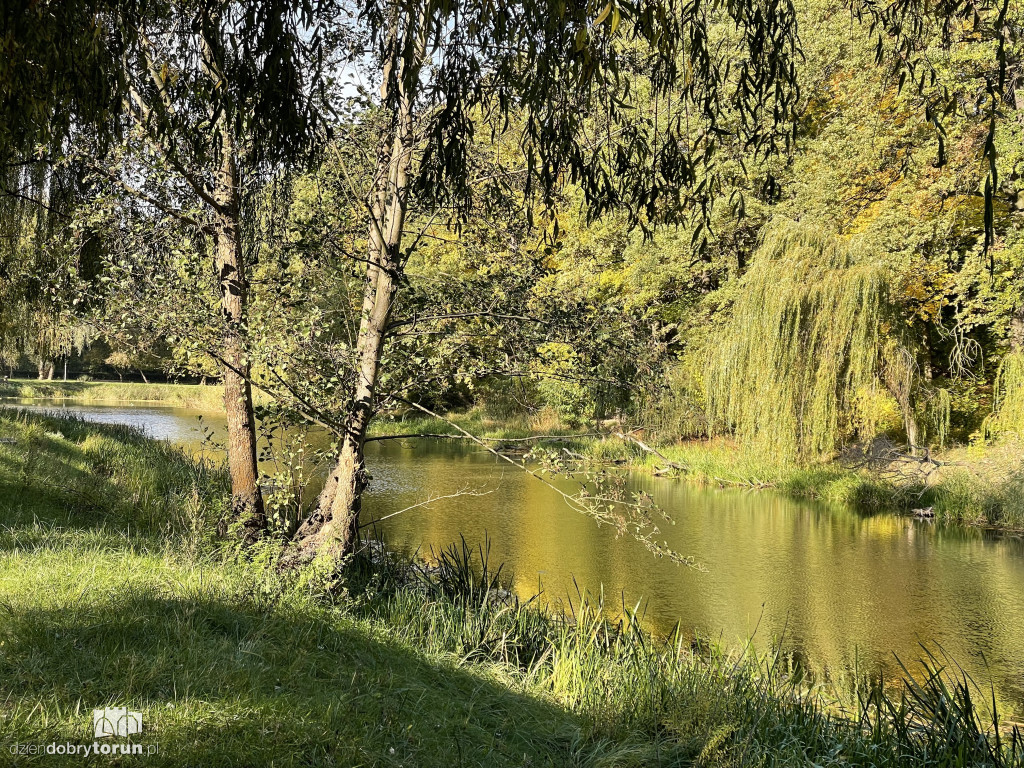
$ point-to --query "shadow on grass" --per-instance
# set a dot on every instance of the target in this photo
(56, 506)
(63, 480)
(227, 682)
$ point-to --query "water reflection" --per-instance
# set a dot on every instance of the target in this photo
(840, 590)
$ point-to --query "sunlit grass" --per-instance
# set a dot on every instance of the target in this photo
(205, 396)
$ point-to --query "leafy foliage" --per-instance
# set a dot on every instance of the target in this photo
(806, 335)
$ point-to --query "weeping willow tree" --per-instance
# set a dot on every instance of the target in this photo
(813, 332)
(1008, 397)
(40, 258)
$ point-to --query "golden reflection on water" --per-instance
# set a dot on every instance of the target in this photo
(838, 590)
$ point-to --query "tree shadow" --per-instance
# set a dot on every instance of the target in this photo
(55, 487)
(225, 681)
(53, 501)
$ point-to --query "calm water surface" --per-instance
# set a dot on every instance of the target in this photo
(837, 589)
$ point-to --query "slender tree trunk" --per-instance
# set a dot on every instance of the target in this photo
(41, 368)
(912, 429)
(333, 529)
(899, 379)
(50, 365)
(1017, 330)
(246, 498)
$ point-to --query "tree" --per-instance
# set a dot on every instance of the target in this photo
(814, 331)
(560, 83)
(201, 96)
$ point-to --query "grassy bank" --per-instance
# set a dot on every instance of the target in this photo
(204, 397)
(114, 593)
(981, 486)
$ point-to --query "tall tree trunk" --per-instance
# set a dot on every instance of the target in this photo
(333, 529)
(41, 368)
(50, 365)
(899, 378)
(1017, 330)
(246, 498)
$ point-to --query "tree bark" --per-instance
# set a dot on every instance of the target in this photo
(1017, 330)
(333, 529)
(246, 497)
(912, 430)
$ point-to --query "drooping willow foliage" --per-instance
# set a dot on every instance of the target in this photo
(811, 333)
(939, 411)
(1008, 397)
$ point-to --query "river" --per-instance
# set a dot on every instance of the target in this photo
(839, 591)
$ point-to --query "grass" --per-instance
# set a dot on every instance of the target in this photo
(199, 396)
(477, 421)
(983, 485)
(114, 592)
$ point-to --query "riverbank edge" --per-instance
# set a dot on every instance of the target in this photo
(584, 689)
(958, 495)
(207, 397)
